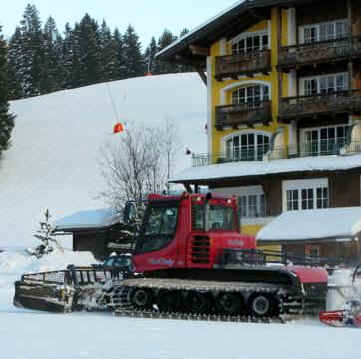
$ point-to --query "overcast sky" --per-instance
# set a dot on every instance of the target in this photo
(149, 18)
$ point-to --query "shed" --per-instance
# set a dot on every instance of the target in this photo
(99, 231)
(332, 232)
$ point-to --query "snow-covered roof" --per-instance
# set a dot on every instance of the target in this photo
(259, 168)
(97, 218)
(329, 223)
(217, 24)
(200, 27)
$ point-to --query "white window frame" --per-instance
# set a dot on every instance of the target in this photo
(320, 78)
(299, 185)
(252, 35)
(239, 134)
(250, 100)
(248, 191)
(318, 27)
(304, 131)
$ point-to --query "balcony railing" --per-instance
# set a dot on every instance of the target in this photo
(325, 51)
(243, 114)
(305, 106)
(325, 147)
(245, 64)
(241, 153)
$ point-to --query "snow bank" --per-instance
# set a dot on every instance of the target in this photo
(15, 263)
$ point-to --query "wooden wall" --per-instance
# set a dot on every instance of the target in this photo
(344, 188)
(347, 252)
(94, 242)
(321, 12)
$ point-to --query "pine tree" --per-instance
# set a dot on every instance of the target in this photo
(166, 39)
(108, 50)
(119, 48)
(67, 59)
(32, 51)
(6, 119)
(15, 68)
(152, 63)
(51, 70)
(87, 67)
(135, 64)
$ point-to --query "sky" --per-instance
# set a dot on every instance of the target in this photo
(149, 18)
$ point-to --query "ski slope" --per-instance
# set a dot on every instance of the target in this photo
(54, 159)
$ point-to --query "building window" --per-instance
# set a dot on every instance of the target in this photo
(305, 194)
(312, 250)
(251, 200)
(323, 85)
(251, 95)
(247, 146)
(252, 206)
(324, 141)
(326, 31)
(250, 42)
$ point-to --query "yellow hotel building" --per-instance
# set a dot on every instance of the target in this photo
(284, 103)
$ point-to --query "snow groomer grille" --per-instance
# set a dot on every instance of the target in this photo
(200, 250)
(49, 277)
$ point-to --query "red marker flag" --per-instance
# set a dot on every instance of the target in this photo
(118, 128)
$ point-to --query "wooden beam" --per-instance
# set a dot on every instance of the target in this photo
(201, 74)
(188, 61)
(198, 50)
(256, 14)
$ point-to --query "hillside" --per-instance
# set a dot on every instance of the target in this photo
(54, 159)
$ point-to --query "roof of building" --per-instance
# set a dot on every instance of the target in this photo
(319, 224)
(90, 219)
(202, 174)
(223, 24)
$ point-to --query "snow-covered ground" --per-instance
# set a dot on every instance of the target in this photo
(53, 164)
(26, 334)
(54, 159)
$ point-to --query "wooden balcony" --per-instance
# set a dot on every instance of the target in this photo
(291, 57)
(292, 108)
(248, 64)
(243, 114)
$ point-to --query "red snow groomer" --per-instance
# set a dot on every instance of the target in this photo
(350, 313)
(193, 261)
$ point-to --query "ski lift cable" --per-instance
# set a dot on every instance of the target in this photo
(112, 102)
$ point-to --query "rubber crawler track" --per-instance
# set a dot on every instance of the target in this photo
(124, 307)
(282, 319)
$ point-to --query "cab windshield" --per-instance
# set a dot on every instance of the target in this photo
(159, 227)
(216, 217)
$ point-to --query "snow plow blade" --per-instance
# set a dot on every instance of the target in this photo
(64, 291)
(43, 291)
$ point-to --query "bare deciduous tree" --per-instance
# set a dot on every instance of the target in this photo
(138, 163)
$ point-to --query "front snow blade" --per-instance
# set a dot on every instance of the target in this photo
(333, 318)
(44, 291)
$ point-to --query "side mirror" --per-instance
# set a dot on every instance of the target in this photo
(129, 212)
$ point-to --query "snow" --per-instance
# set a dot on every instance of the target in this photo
(260, 168)
(27, 334)
(54, 159)
(88, 219)
(338, 223)
(53, 164)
